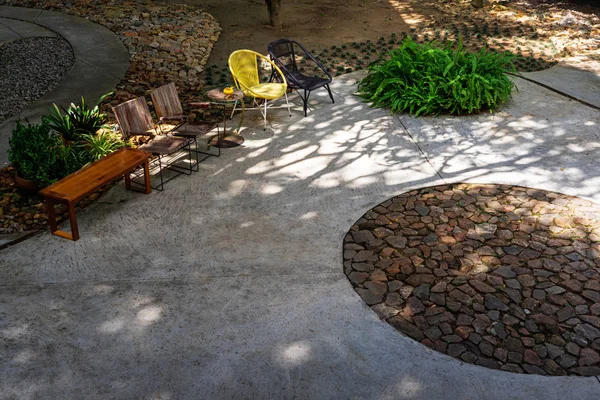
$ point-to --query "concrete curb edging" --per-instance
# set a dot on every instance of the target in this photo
(101, 61)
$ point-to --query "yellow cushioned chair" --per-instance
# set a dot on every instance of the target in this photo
(243, 65)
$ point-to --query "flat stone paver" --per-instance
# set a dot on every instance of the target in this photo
(500, 276)
(230, 283)
(101, 61)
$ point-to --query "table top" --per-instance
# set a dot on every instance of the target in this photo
(80, 183)
(217, 96)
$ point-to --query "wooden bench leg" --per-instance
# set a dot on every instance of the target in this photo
(147, 189)
(51, 214)
(73, 221)
(74, 235)
(127, 180)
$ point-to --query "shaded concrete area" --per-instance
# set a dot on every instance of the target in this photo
(229, 284)
(14, 29)
(101, 60)
(578, 76)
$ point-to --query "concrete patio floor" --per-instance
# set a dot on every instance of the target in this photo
(229, 284)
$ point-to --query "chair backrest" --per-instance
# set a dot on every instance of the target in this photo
(166, 101)
(283, 53)
(134, 118)
(293, 58)
(243, 65)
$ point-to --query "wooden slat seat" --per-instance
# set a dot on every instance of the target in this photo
(164, 145)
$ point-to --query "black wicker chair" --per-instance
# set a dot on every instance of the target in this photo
(301, 69)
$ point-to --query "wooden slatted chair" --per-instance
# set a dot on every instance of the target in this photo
(169, 109)
(134, 119)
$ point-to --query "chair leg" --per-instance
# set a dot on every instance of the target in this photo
(160, 172)
(288, 105)
(233, 111)
(190, 156)
(305, 99)
(265, 116)
(329, 91)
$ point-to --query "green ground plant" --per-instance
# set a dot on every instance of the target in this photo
(101, 144)
(61, 144)
(427, 79)
(77, 119)
(32, 153)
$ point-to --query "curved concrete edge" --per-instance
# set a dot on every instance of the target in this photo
(14, 29)
(577, 76)
(101, 61)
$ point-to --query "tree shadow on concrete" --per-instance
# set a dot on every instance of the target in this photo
(230, 283)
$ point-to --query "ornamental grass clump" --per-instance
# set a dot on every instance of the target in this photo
(425, 79)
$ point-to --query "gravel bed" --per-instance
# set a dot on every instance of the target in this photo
(28, 69)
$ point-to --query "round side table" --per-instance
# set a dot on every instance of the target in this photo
(218, 98)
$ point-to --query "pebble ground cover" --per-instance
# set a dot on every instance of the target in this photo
(500, 276)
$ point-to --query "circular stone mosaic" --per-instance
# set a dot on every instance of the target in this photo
(500, 276)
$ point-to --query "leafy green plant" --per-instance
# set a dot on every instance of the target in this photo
(427, 79)
(78, 119)
(32, 153)
(102, 144)
(70, 157)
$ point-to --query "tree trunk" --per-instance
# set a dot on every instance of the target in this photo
(274, 8)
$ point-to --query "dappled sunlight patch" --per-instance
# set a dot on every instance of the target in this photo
(296, 146)
(236, 188)
(103, 289)
(528, 160)
(309, 215)
(25, 356)
(307, 168)
(363, 181)
(409, 386)
(15, 332)
(112, 326)
(253, 154)
(295, 353)
(148, 315)
(525, 123)
(141, 301)
(578, 148)
(271, 188)
(327, 181)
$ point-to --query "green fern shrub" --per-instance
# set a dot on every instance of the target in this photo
(424, 79)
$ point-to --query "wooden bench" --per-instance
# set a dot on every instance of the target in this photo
(76, 186)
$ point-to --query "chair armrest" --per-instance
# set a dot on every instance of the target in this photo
(315, 60)
(285, 71)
